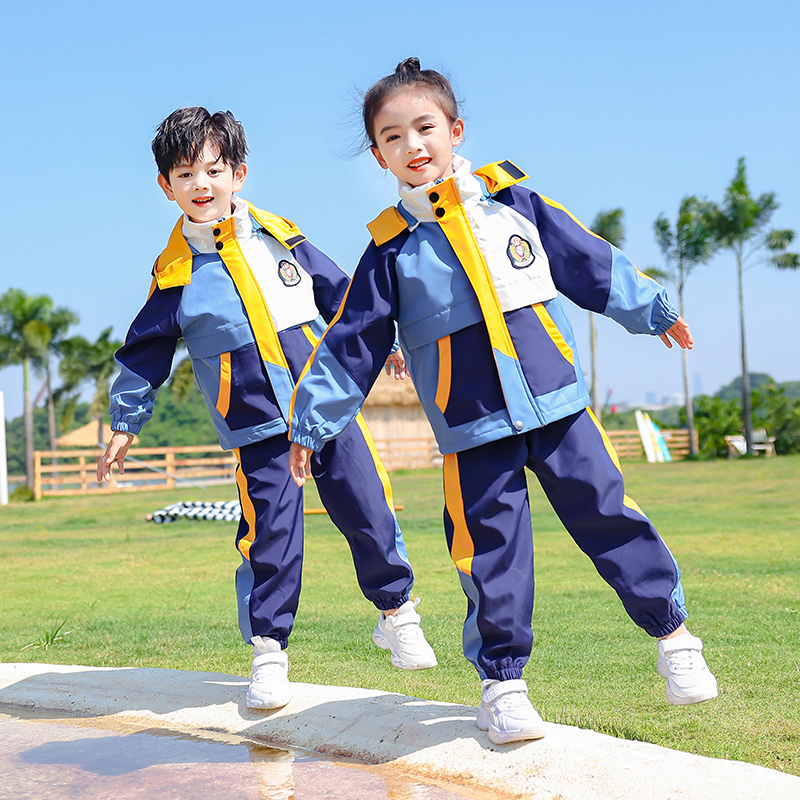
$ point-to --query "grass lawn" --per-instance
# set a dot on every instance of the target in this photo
(132, 593)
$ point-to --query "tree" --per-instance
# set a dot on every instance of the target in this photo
(58, 321)
(608, 225)
(740, 225)
(83, 361)
(25, 338)
(692, 242)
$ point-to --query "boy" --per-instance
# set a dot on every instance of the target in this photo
(250, 296)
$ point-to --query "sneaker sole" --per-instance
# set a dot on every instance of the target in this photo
(497, 736)
(379, 640)
(267, 705)
(677, 700)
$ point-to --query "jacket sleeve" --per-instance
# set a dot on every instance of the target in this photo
(350, 354)
(591, 272)
(145, 360)
(330, 281)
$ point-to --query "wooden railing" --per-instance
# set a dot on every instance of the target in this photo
(628, 444)
(146, 469)
(150, 468)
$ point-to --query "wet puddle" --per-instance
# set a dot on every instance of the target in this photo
(45, 756)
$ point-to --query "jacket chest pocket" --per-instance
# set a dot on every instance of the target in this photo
(245, 396)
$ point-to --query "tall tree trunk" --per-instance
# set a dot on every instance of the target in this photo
(686, 393)
(51, 422)
(747, 411)
(100, 436)
(28, 412)
(595, 391)
(51, 413)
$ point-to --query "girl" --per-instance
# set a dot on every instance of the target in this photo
(468, 265)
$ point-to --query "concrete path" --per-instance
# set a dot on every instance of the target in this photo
(421, 737)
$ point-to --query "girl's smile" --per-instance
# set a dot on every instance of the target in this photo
(414, 138)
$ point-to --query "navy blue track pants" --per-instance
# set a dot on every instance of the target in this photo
(354, 488)
(488, 529)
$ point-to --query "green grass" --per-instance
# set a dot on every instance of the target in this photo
(132, 593)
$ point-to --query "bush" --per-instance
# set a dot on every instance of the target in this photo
(714, 419)
(780, 415)
(22, 494)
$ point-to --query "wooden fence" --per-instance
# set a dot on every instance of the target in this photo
(73, 472)
(146, 468)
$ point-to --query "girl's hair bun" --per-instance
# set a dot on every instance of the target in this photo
(408, 65)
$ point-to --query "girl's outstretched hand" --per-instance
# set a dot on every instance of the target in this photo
(396, 363)
(300, 463)
(680, 333)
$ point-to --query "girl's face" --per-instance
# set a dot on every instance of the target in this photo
(414, 138)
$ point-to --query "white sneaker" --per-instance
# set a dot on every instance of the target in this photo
(269, 686)
(402, 634)
(681, 662)
(507, 714)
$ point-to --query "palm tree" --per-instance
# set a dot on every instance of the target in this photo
(610, 226)
(691, 243)
(83, 361)
(25, 336)
(59, 321)
(740, 225)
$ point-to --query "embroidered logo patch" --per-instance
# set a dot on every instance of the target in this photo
(289, 273)
(519, 252)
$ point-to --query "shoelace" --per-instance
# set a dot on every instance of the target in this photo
(410, 632)
(683, 662)
(264, 671)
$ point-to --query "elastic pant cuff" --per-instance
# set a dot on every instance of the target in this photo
(510, 674)
(671, 625)
(283, 642)
(391, 603)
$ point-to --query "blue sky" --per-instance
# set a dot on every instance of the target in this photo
(624, 104)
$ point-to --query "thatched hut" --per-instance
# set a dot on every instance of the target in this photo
(401, 430)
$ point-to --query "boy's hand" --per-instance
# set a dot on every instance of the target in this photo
(116, 451)
(396, 363)
(300, 463)
(680, 333)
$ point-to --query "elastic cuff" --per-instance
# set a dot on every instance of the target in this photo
(510, 674)
(669, 627)
(283, 642)
(389, 605)
(665, 315)
(305, 441)
(126, 427)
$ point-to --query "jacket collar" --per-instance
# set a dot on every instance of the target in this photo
(415, 201)
(174, 266)
(200, 235)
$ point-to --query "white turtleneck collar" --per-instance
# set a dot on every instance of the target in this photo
(200, 235)
(414, 199)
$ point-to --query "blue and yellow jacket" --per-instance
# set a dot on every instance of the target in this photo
(469, 268)
(246, 355)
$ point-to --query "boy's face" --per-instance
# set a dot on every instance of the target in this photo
(204, 189)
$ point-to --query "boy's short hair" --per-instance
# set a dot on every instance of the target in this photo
(180, 138)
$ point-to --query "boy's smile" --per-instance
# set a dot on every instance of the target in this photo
(414, 138)
(204, 190)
